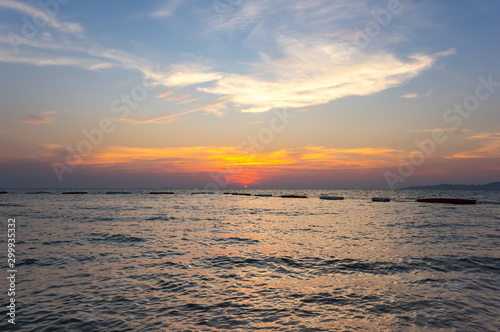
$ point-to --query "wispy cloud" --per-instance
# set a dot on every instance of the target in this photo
(316, 74)
(43, 59)
(181, 99)
(301, 69)
(410, 95)
(488, 146)
(40, 52)
(167, 9)
(452, 130)
(177, 99)
(417, 95)
(181, 75)
(284, 13)
(301, 66)
(44, 117)
(216, 108)
(65, 27)
(165, 94)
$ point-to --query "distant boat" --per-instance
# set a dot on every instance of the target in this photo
(74, 193)
(38, 192)
(263, 195)
(332, 198)
(4, 192)
(118, 192)
(245, 194)
(202, 193)
(381, 199)
(161, 193)
(293, 196)
(447, 200)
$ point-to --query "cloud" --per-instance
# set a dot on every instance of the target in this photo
(178, 100)
(44, 117)
(165, 94)
(303, 67)
(167, 9)
(215, 108)
(488, 146)
(453, 130)
(309, 72)
(65, 27)
(303, 64)
(181, 99)
(47, 59)
(241, 15)
(316, 73)
(47, 53)
(181, 75)
(410, 95)
(417, 95)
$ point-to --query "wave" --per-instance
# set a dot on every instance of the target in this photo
(119, 238)
(161, 218)
(236, 240)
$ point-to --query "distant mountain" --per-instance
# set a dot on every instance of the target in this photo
(489, 186)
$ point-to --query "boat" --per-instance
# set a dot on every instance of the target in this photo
(4, 192)
(447, 200)
(381, 199)
(331, 198)
(202, 193)
(74, 193)
(263, 195)
(293, 196)
(161, 193)
(118, 192)
(245, 194)
(38, 192)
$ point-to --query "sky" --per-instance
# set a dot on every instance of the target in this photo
(249, 93)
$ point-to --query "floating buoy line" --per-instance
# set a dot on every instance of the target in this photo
(438, 200)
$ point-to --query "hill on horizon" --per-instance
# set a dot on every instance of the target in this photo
(444, 186)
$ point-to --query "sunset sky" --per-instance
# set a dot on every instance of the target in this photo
(257, 93)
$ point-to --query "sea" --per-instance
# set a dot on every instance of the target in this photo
(126, 260)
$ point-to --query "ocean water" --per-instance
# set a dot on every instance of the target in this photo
(140, 262)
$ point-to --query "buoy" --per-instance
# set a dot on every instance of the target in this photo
(381, 199)
(447, 200)
(332, 198)
(293, 196)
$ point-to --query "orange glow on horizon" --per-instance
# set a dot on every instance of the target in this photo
(239, 166)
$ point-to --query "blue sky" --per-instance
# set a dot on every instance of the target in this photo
(362, 81)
